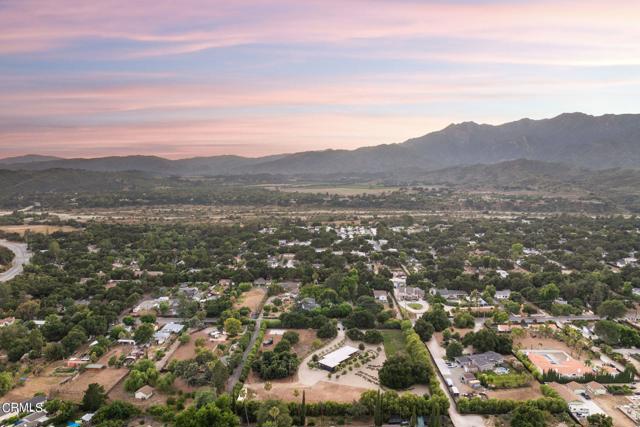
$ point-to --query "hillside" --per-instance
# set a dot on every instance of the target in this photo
(578, 140)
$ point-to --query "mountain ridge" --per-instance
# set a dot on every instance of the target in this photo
(577, 139)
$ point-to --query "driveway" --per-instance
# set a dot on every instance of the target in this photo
(458, 419)
(22, 257)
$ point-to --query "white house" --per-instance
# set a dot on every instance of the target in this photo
(380, 296)
(503, 295)
(144, 393)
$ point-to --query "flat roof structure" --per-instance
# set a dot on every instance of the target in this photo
(333, 359)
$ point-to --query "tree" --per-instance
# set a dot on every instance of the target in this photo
(328, 330)
(377, 410)
(54, 351)
(303, 409)
(424, 329)
(292, 336)
(463, 319)
(608, 331)
(500, 316)
(438, 317)
(94, 397)
(454, 349)
(143, 333)
(549, 292)
(6, 383)
(612, 309)
(232, 326)
(373, 336)
(600, 420)
(271, 365)
(274, 413)
(397, 372)
(527, 415)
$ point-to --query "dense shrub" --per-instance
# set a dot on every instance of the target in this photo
(272, 365)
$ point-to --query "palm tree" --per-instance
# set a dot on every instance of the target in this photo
(274, 412)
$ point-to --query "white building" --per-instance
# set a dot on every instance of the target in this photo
(144, 393)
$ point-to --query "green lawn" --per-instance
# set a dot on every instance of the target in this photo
(415, 305)
(393, 341)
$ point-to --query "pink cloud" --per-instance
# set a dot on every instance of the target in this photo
(169, 28)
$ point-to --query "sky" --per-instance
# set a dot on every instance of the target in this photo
(187, 78)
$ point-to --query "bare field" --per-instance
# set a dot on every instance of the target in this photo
(609, 404)
(319, 392)
(188, 351)
(44, 382)
(41, 228)
(108, 378)
(522, 393)
(251, 299)
(301, 348)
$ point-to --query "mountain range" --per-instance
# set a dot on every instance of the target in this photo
(574, 139)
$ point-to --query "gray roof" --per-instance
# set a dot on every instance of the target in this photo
(490, 357)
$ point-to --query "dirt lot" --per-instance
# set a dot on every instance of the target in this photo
(119, 393)
(524, 393)
(251, 299)
(108, 378)
(188, 350)
(536, 343)
(302, 348)
(42, 383)
(609, 404)
(44, 229)
(319, 392)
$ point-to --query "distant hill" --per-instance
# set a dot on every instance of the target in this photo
(29, 158)
(576, 139)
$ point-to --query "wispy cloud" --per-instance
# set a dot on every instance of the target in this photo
(116, 73)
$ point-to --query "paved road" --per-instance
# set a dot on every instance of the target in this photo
(22, 257)
(458, 419)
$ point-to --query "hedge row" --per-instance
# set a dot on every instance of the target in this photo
(524, 359)
(480, 406)
(419, 354)
(246, 368)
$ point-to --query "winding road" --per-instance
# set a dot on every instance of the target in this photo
(22, 257)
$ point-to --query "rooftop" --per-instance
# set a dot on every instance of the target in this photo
(335, 358)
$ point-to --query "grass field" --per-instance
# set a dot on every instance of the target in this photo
(393, 342)
(415, 305)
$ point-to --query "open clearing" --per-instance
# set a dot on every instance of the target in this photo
(188, 351)
(42, 229)
(108, 378)
(302, 348)
(609, 404)
(521, 393)
(251, 299)
(393, 342)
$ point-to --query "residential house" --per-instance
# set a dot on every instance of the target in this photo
(480, 362)
(596, 389)
(576, 387)
(450, 295)
(502, 295)
(380, 295)
(309, 304)
(144, 393)
(411, 293)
